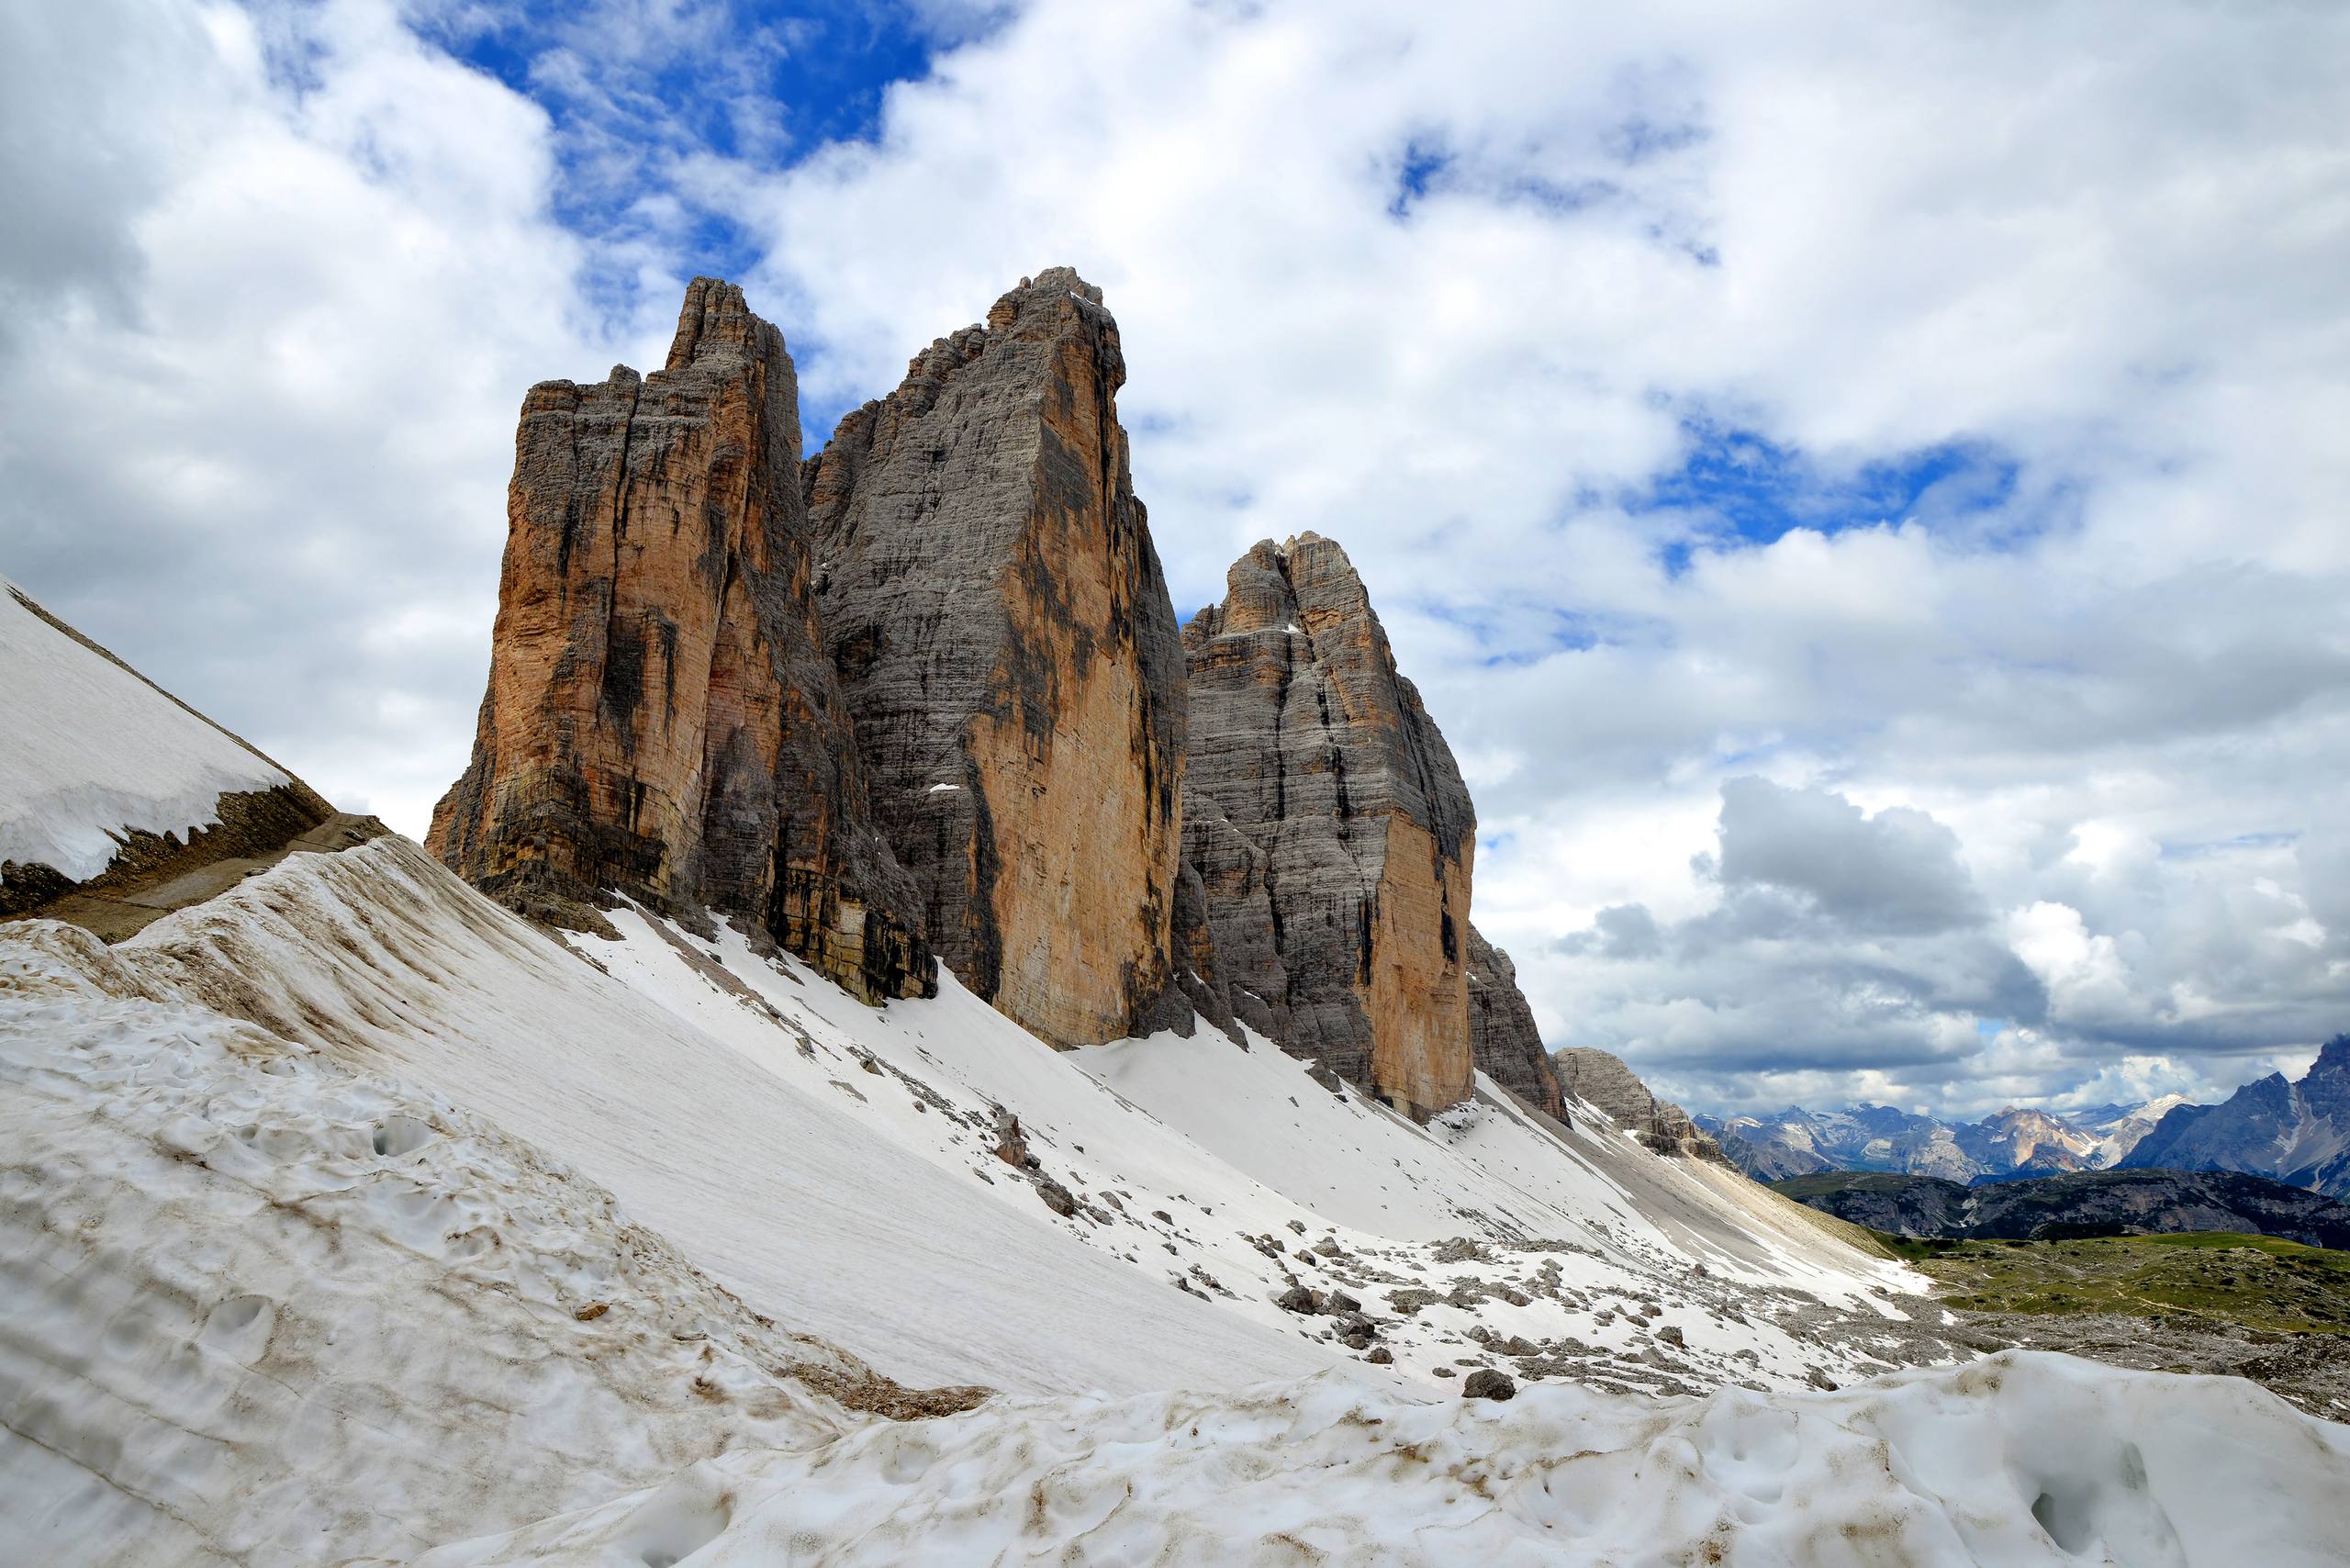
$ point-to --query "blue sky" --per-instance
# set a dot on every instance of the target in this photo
(1859, 495)
(760, 84)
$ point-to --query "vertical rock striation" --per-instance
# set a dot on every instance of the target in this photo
(1501, 1033)
(1331, 832)
(663, 717)
(1002, 631)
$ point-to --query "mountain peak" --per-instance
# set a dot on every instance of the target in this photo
(716, 322)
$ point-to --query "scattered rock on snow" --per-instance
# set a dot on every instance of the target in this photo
(1487, 1384)
(1011, 1145)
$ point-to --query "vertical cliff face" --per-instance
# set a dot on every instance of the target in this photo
(663, 717)
(1331, 831)
(1501, 1033)
(1002, 631)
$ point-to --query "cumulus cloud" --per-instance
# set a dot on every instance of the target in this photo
(1896, 871)
(1896, 458)
(1847, 954)
(256, 439)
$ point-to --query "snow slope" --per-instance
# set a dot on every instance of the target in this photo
(382, 958)
(93, 749)
(1254, 1166)
(830, 1161)
(2022, 1458)
(261, 1309)
(270, 1303)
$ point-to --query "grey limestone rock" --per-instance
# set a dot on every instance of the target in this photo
(1501, 1032)
(1002, 631)
(1332, 834)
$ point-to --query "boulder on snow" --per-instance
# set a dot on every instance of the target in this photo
(1487, 1384)
(1056, 1197)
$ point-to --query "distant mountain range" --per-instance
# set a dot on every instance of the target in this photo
(2007, 1145)
(2079, 1204)
(2296, 1133)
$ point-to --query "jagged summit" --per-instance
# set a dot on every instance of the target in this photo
(2297, 1132)
(923, 696)
(716, 324)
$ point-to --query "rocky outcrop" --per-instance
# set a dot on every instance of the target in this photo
(1331, 832)
(1604, 1081)
(1005, 639)
(663, 717)
(1503, 1037)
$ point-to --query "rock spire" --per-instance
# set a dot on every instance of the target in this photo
(1330, 829)
(1003, 631)
(663, 717)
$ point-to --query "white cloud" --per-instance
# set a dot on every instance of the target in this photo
(262, 449)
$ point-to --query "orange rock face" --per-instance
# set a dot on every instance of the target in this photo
(998, 615)
(662, 718)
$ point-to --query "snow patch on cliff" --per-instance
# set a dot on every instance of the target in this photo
(93, 750)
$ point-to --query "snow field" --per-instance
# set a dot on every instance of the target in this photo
(2022, 1458)
(260, 1309)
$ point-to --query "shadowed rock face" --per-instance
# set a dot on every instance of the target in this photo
(1003, 634)
(1604, 1080)
(663, 717)
(1501, 1032)
(1330, 830)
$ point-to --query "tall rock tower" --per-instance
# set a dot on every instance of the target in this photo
(1330, 830)
(663, 717)
(1004, 637)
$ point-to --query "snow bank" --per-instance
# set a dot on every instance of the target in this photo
(833, 1163)
(93, 749)
(776, 1177)
(1231, 1174)
(261, 1309)
(2022, 1458)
